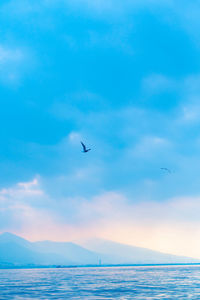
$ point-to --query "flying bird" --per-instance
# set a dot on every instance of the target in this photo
(166, 169)
(85, 150)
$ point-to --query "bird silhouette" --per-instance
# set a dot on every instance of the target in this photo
(85, 150)
(166, 169)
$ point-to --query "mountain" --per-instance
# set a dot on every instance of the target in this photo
(116, 253)
(9, 237)
(16, 251)
(67, 250)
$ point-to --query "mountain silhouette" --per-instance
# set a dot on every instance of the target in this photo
(18, 252)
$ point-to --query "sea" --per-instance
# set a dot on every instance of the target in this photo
(138, 282)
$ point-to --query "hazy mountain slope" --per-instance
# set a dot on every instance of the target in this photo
(116, 253)
(13, 253)
(69, 251)
(18, 251)
(9, 237)
(14, 249)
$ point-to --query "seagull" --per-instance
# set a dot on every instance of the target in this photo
(85, 150)
(166, 169)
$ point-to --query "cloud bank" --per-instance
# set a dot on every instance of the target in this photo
(171, 226)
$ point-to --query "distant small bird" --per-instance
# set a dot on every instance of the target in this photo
(166, 169)
(84, 148)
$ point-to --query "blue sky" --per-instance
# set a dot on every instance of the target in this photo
(124, 77)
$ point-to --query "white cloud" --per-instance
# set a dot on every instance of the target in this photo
(191, 113)
(150, 146)
(21, 7)
(114, 6)
(21, 191)
(96, 8)
(22, 207)
(10, 55)
(13, 63)
(171, 226)
(117, 37)
(189, 90)
(156, 83)
(167, 226)
(74, 137)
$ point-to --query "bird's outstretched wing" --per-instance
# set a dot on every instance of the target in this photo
(84, 147)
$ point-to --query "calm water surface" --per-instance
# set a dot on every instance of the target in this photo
(158, 282)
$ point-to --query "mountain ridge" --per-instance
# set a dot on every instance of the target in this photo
(18, 251)
(141, 254)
